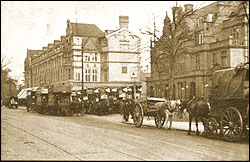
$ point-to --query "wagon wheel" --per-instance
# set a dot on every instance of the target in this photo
(160, 120)
(138, 115)
(231, 124)
(211, 128)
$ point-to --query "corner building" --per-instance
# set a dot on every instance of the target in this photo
(221, 41)
(109, 58)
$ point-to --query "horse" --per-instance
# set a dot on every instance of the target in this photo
(198, 109)
(168, 108)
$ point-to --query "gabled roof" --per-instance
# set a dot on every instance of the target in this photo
(120, 30)
(87, 30)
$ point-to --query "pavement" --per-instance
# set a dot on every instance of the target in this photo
(177, 124)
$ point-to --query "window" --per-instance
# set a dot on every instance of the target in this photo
(197, 62)
(201, 41)
(214, 58)
(223, 59)
(124, 47)
(78, 76)
(87, 57)
(124, 70)
(87, 74)
(94, 57)
(200, 21)
(94, 74)
(234, 33)
(69, 72)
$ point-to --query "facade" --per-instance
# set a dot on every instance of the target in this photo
(109, 58)
(221, 41)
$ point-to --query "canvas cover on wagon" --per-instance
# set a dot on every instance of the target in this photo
(228, 83)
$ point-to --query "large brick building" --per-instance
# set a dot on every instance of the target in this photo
(109, 58)
(222, 41)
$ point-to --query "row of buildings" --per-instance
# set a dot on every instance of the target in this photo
(110, 58)
(221, 41)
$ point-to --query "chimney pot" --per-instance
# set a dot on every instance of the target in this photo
(123, 21)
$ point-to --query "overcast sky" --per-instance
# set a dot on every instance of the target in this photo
(34, 24)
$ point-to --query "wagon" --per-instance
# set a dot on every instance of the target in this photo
(147, 108)
(76, 104)
(59, 100)
(31, 99)
(113, 100)
(13, 102)
(229, 100)
(42, 100)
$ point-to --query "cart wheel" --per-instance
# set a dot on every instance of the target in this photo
(138, 115)
(231, 124)
(211, 128)
(160, 120)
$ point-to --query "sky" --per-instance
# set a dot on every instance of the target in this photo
(33, 25)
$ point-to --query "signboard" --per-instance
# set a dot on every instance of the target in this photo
(44, 91)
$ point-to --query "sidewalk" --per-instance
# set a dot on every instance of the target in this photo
(176, 124)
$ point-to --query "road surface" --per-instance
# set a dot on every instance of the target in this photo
(33, 136)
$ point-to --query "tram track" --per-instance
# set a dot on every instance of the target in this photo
(46, 141)
(201, 150)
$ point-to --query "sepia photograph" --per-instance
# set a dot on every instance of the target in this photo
(125, 80)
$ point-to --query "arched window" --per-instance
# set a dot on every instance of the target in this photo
(94, 74)
(87, 74)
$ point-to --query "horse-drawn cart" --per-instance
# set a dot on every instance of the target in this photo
(151, 107)
(229, 114)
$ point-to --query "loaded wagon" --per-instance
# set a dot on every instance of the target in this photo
(229, 100)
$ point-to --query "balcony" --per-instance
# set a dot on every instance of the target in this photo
(228, 42)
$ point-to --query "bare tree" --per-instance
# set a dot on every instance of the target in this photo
(172, 44)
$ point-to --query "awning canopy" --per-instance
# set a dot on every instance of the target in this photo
(22, 94)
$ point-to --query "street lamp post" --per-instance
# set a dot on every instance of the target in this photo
(82, 73)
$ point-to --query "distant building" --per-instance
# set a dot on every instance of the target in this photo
(109, 58)
(221, 41)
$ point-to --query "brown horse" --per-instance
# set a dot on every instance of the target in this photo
(198, 109)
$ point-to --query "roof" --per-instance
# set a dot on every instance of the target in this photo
(88, 30)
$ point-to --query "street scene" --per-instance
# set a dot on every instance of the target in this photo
(102, 80)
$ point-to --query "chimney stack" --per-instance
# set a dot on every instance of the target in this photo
(123, 21)
(188, 7)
